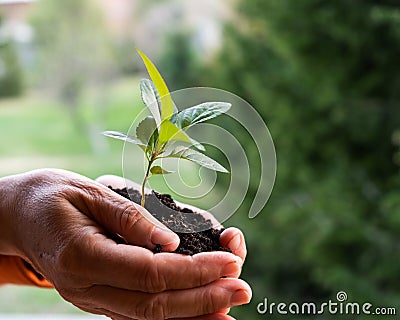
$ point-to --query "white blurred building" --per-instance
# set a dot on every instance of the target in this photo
(15, 26)
(15, 15)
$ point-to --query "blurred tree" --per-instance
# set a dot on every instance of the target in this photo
(325, 76)
(179, 60)
(75, 54)
(10, 70)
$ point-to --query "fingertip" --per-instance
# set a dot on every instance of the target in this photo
(224, 311)
(232, 270)
(217, 257)
(233, 239)
(219, 316)
(224, 264)
(235, 285)
(246, 287)
(109, 180)
(167, 239)
(242, 295)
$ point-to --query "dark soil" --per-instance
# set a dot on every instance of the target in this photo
(197, 233)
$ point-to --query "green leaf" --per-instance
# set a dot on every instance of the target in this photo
(146, 131)
(167, 106)
(193, 143)
(197, 145)
(169, 131)
(197, 157)
(159, 170)
(199, 113)
(151, 99)
(124, 137)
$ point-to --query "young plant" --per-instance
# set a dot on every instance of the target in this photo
(163, 134)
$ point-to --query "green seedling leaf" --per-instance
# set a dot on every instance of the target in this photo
(169, 131)
(151, 99)
(159, 170)
(156, 135)
(167, 106)
(146, 130)
(197, 145)
(193, 143)
(124, 137)
(197, 157)
(199, 113)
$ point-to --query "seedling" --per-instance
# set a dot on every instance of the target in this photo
(163, 134)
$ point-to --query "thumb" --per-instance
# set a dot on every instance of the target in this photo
(124, 217)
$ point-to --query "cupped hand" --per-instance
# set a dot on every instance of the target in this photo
(60, 222)
(231, 238)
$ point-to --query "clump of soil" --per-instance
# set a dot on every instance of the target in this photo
(192, 240)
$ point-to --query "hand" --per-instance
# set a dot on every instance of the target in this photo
(60, 221)
(231, 238)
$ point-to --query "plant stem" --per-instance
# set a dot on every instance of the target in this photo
(146, 177)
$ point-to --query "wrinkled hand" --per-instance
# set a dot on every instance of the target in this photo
(60, 221)
(231, 238)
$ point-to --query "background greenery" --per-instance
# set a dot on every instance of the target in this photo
(325, 76)
(10, 69)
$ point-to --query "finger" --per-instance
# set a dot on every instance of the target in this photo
(223, 293)
(224, 311)
(99, 311)
(121, 216)
(117, 182)
(137, 268)
(219, 315)
(233, 239)
(214, 316)
(115, 316)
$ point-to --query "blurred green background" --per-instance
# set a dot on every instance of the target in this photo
(324, 75)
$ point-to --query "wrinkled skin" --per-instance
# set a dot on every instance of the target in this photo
(60, 222)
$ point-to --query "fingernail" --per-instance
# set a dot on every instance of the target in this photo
(163, 236)
(240, 297)
(234, 244)
(230, 270)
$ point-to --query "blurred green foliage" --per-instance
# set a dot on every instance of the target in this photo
(74, 55)
(325, 76)
(179, 61)
(35, 133)
(11, 82)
